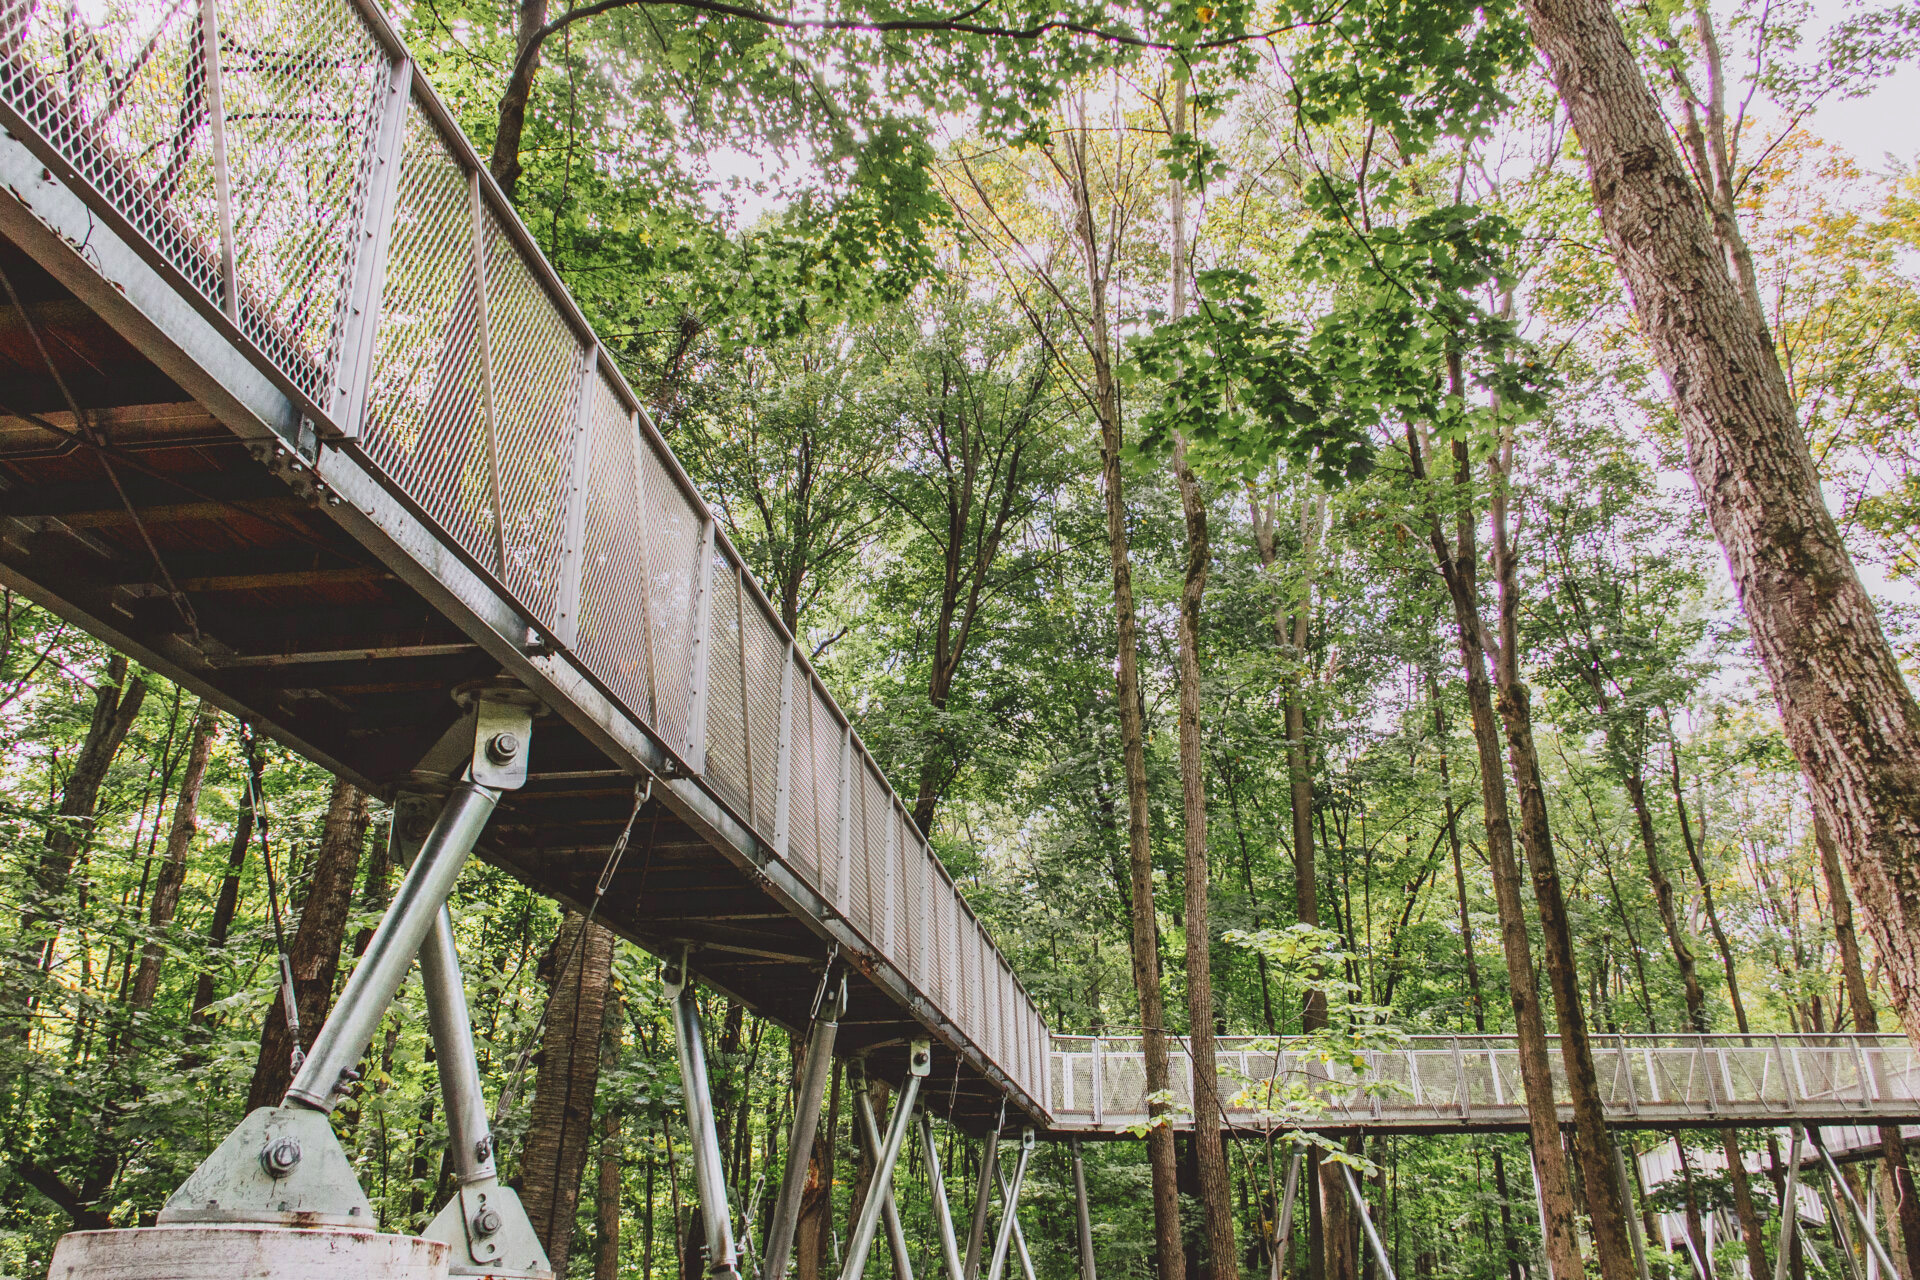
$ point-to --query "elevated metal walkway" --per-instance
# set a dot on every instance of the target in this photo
(1443, 1084)
(293, 410)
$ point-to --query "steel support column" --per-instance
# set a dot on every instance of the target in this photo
(1366, 1221)
(889, 1211)
(860, 1241)
(1283, 1225)
(1635, 1231)
(1010, 1207)
(814, 1070)
(1019, 1233)
(1083, 1218)
(1859, 1215)
(982, 1202)
(1789, 1208)
(703, 1137)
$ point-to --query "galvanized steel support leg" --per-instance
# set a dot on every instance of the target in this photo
(335, 1057)
(1082, 1216)
(1019, 1234)
(1789, 1209)
(861, 1240)
(703, 1137)
(1366, 1221)
(1636, 1232)
(814, 1071)
(982, 1202)
(889, 1211)
(1283, 1227)
(1859, 1215)
(1540, 1203)
(1010, 1207)
(942, 1214)
(485, 1223)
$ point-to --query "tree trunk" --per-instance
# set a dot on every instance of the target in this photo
(173, 869)
(1209, 1149)
(227, 904)
(314, 953)
(815, 1219)
(1844, 705)
(1593, 1145)
(116, 705)
(1893, 1146)
(510, 120)
(1145, 932)
(560, 1121)
(607, 1204)
(1459, 568)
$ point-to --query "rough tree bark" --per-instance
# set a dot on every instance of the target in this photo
(1593, 1145)
(116, 705)
(173, 867)
(314, 952)
(560, 1121)
(1209, 1149)
(1459, 569)
(1145, 934)
(510, 119)
(1893, 1145)
(607, 1203)
(1845, 708)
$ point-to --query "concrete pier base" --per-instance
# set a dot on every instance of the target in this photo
(237, 1251)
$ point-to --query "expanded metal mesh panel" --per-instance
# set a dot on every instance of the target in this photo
(726, 725)
(119, 89)
(614, 636)
(870, 873)
(426, 405)
(904, 929)
(673, 535)
(766, 657)
(803, 813)
(302, 90)
(536, 375)
(829, 737)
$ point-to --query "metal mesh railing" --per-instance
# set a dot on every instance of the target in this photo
(282, 163)
(1100, 1083)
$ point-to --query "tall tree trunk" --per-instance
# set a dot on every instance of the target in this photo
(173, 868)
(314, 953)
(1145, 932)
(1593, 1145)
(1209, 1149)
(116, 705)
(227, 903)
(815, 1219)
(1509, 1242)
(1844, 705)
(1459, 568)
(510, 119)
(607, 1203)
(560, 1121)
(1893, 1145)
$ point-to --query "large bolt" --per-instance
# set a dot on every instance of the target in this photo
(503, 747)
(280, 1156)
(487, 1221)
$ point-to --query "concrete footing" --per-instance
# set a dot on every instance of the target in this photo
(244, 1252)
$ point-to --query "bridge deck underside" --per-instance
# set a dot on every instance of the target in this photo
(293, 623)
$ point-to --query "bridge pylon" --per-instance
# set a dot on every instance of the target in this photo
(279, 1197)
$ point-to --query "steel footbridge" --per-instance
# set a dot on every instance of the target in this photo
(294, 412)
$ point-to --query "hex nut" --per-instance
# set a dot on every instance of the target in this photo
(280, 1157)
(487, 1221)
(503, 747)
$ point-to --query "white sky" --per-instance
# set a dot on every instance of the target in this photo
(1885, 122)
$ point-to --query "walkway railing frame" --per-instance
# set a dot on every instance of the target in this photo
(286, 165)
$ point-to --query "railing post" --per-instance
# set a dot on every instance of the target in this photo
(783, 757)
(573, 518)
(222, 177)
(1099, 1083)
(359, 318)
(702, 647)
